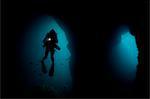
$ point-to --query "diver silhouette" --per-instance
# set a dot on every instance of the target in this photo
(50, 43)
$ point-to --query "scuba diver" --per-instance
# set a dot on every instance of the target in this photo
(50, 43)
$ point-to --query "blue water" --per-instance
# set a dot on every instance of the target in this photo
(125, 57)
(61, 83)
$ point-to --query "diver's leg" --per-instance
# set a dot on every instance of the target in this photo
(46, 54)
(52, 57)
(51, 71)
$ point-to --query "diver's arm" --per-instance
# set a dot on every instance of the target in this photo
(44, 40)
(57, 47)
(56, 40)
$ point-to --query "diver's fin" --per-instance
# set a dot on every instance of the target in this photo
(51, 71)
(44, 70)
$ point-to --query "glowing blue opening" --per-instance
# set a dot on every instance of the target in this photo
(61, 82)
(125, 57)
